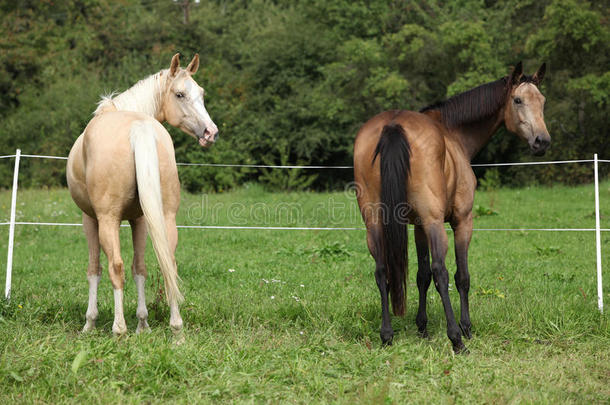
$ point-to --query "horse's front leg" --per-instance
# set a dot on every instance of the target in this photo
(437, 238)
(462, 231)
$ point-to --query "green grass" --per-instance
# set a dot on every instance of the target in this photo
(297, 320)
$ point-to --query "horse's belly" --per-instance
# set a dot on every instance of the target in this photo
(461, 183)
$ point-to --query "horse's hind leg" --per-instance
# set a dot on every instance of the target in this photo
(437, 237)
(374, 241)
(138, 269)
(424, 277)
(109, 239)
(462, 231)
(94, 270)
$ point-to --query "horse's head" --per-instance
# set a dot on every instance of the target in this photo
(183, 105)
(524, 112)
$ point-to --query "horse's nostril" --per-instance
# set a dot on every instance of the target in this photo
(540, 145)
(542, 142)
(537, 141)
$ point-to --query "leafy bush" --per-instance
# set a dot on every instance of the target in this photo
(291, 82)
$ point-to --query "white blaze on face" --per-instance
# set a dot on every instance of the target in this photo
(531, 111)
(196, 98)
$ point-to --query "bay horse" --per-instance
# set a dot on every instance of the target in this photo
(122, 167)
(414, 167)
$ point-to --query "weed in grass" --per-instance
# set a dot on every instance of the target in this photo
(482, 211)
(490, 292)
(547, 250)
(334, 250)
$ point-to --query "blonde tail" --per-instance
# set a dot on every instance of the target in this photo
(143, 137)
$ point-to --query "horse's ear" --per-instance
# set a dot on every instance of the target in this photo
(539, 75)
(174, 65)
(194, 65)
(516, 74)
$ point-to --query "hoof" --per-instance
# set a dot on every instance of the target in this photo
(460, 349)
(119, 330)
(424, 334)
(386, 337)
(178, 332)
(142, 327)
(176, 325)
(89, 327)
(178, 338)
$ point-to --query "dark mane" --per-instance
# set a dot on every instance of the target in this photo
(473, 105)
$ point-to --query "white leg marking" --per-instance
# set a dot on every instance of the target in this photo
(141, 312)
(118, 327)
(175, 322)
(92, 312)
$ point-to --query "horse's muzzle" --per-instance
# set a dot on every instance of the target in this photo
(540, 144)
(208, 137)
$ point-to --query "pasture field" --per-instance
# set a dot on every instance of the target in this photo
(294, 316)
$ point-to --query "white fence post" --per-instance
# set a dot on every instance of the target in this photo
(11, 232)
(598, 242)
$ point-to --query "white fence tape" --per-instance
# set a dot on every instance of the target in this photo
(597, 228)
(303, 228)
(551, 162)
(264, 166)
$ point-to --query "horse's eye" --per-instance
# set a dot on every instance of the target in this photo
(180, 95)
(517, 100)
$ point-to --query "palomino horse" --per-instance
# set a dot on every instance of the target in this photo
(414, 167)
(122, 167)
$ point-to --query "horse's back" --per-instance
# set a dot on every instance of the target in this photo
(110, 132)
(425, 135)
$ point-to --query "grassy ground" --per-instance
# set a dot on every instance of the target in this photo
(293, 316)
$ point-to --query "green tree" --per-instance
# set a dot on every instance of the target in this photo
(292, 81)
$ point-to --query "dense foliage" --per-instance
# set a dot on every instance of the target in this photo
(291, 81)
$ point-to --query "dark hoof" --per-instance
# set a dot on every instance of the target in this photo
(460, 348)
(386, 337)
(465, 331)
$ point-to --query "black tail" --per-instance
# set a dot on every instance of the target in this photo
(394, 152)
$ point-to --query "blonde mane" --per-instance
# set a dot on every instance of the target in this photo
(144, 96)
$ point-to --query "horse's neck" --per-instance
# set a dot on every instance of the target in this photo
(474, 136)
(144, 97)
